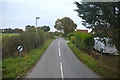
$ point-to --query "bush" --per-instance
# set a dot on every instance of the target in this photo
(49, 35)
(73, 39)
(9, 46)
(69, 35)
(84, 41)
(26, 39)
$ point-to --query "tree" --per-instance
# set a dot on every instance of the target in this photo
(17, 30)
(65, 24)
(10, 30)
(29, 27)
(102, 18)
(45, 28)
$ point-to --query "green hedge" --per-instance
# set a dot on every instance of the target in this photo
(13, 67)
(26, 39)
(84, 40)
(70, 35)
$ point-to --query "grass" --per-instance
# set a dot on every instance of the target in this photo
(12, 67)
(109, 60)
(101, 69)
(4, 35)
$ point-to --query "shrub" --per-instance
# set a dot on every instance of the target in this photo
(26, 39)
(73, 39)
(49, 35)
(84, 40)
(69, 35)
(9, 46)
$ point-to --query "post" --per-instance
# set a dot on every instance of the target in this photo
(20, 54)
(36, 28)
(101, 50)
(20, 48)
(101, 58)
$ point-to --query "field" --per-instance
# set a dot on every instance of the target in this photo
(4, 35)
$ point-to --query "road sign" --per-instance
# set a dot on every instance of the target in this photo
(20, 48)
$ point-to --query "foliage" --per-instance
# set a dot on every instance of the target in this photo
(103, 70)
(26, 39)
(13, 67)
(49, 35)
(58, 33)
(45, 28)
(65, 25)
(29, 27)
(70, 34)
(73, 39)
(84, 40)
(9, 30)
(103, 18)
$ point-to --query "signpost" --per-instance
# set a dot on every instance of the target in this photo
(101, 50)
(20, 48)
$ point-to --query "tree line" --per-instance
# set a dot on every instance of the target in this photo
(17, 30)
(10, 30)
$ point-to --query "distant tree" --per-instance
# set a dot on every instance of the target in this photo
(45, 28)
(29, 27)
(7, 30)
(17, 30)
(102, 18)
(32, 26)
(65, 24)
(10, 30)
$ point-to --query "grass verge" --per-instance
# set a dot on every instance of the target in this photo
(101, 69)
(13, 67)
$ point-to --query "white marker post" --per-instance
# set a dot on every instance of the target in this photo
(20, 48)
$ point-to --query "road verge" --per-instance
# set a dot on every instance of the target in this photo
(13, 68)
(102, 70)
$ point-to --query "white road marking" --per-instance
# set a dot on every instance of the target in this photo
(59, 42)
(61, 69)
(59, 52)
(60, 38)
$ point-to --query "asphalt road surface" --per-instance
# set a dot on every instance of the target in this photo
(58, 61)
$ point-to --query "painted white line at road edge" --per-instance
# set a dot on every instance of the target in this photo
(59, 52)
(61, 69)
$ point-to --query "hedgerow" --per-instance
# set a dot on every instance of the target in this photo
(26, 39)
(84, 40)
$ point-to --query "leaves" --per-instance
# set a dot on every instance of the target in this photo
(65, 25)
(102, 18)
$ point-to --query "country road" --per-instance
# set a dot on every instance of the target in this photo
(58, 61)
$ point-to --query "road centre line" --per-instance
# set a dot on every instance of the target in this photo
(61, 69)
(59, 42)
(59, 52)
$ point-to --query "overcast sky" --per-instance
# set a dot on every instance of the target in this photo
(19, 13)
